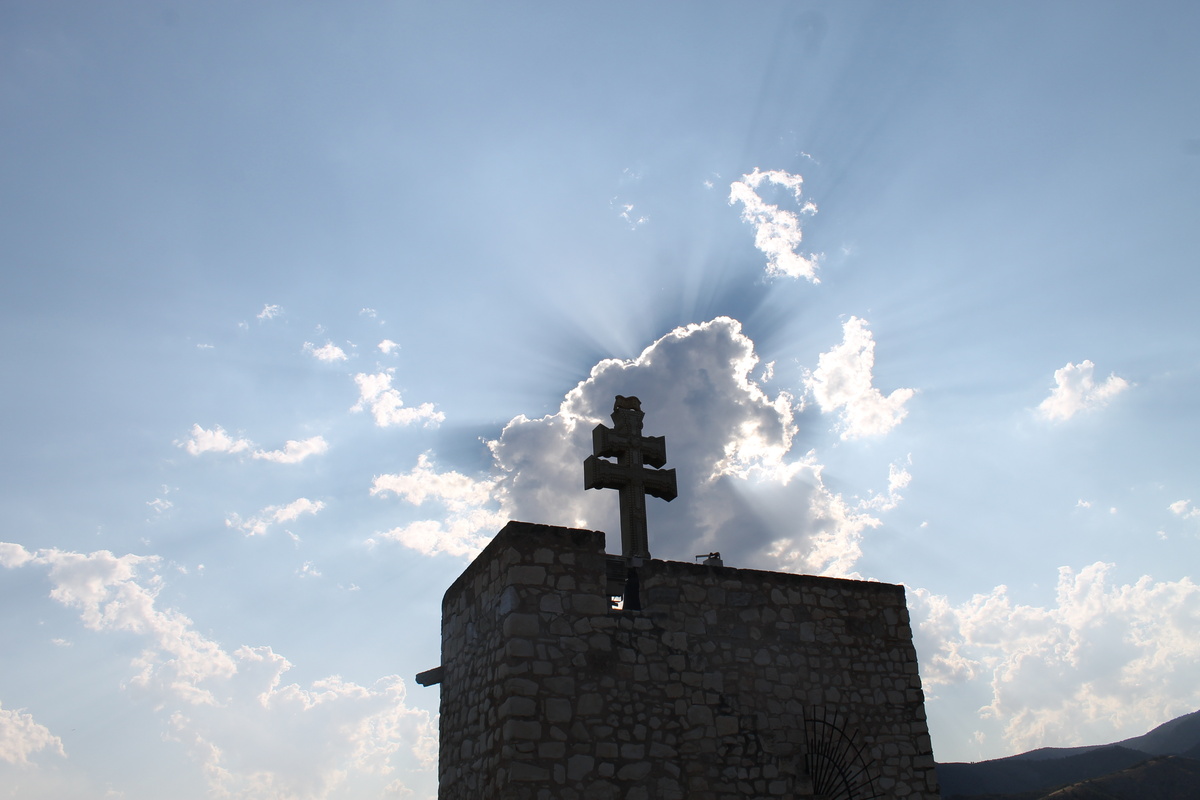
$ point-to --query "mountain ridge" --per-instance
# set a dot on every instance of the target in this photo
(1034, 774)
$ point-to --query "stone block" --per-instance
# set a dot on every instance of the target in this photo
(519, 648)
(520, 771)
(518, 707)
(589, 704)
(522, 729)
(528, 575)
(521, 686)
(578, 766)
(699, 715)
(522, 625)
(558, 709)
(552, 750)
(634, 772)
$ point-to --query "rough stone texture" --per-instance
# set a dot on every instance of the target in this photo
(729, 683)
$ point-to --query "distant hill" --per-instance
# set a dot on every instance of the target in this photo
(1007, 776)
(1160, 778)
(1048, 771)
(1169, 739)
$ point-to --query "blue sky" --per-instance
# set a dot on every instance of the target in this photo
(303, 302)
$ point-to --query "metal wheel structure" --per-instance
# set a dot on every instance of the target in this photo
(839, 768)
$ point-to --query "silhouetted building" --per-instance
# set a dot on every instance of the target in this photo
(570, 674)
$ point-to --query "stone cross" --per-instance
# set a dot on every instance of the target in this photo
(624, 442)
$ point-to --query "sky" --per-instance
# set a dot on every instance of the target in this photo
(303, 301)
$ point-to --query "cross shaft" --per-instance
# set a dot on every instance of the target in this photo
(630, 475)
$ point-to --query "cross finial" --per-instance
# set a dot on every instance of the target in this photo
(624, 441)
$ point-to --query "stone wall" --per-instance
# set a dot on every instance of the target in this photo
(728, 683)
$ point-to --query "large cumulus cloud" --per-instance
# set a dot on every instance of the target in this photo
(743, 488)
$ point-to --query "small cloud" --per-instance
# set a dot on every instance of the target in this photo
(329, 352)
(60, 642)
(243, 326)
(270, 312)
(294, 452)
(898, 478)
(204, 347)
(213, 441)
(367, 312)
(625, 211)
(777, 231)
(1075, 390)
(159, 504)
(387, 347)
(263, 520)
(1081, 503)
(308, 571)
(842, 383)
(1112, 510)
(376, 392)
(1184, 509)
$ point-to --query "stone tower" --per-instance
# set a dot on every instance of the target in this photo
(571, 674)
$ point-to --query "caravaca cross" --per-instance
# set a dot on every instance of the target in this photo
(630, 475)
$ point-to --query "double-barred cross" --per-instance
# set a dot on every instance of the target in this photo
(630, 475)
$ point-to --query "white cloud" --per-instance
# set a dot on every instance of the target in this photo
(21, 737)
(13, 555)
(294, 452)
(469, 523)
(898, 478)
(776, 231)
(387, 347)
(263, 520)
(250, 734)
(1181, 508)
(333, 738)
(625, 212)
(328, 352)
(1075, 390)
(842, 383)
(159, 504)
(270, 311)
(376, 392)
(742, 488)
(367, 312)
(214, 441)
(1106, 660)
(105, 590)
